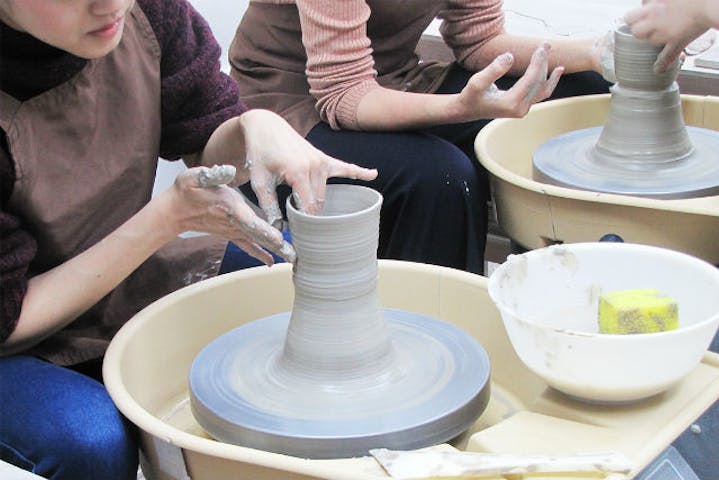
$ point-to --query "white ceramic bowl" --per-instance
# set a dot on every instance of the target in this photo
(548, 299)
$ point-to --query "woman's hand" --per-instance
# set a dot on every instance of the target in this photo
(674, 24)
(201, 200)
(276, 153)
(480, 98)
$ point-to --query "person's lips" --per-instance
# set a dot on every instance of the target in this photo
(107, 30)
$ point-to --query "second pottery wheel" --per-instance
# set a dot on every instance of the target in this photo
(644, 148)
(568, 160)
(339, 375)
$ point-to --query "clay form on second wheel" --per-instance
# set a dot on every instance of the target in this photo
(644, 148)
(339, 375)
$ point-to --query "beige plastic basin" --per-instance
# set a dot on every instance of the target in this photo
(536, 214)
(147, 365)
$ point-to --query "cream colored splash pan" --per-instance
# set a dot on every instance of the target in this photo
(147, 365)
(536, 214)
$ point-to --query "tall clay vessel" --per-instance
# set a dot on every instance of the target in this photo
(645, 124)
(335, 283)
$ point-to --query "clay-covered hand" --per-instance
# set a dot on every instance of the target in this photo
(672, 23)
(202, 201)
(603, 56)
(276, 153)
(482, 99)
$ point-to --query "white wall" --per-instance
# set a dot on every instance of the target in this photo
(223, 16)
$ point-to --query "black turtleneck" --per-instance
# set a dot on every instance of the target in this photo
(28, 67)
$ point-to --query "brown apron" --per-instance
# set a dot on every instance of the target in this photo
(268, 58)
(85, 156)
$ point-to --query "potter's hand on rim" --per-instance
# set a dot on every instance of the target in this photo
(603, 56)
(672, 24)
(206, 203)
(483, 99)
(276, 154)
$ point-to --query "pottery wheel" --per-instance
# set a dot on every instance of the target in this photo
(569, 160)
(644, 149)
(430, 387)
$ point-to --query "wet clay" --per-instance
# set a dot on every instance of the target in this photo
(644, 148)
(339, 374)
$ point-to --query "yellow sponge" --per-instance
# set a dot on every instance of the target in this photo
(637, 311)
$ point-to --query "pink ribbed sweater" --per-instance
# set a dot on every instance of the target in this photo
(340, 66)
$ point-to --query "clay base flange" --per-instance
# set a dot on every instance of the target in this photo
(435, 387)
(567, 160)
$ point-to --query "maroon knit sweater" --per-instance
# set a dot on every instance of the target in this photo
(196, 98)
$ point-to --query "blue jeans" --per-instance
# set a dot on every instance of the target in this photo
(61, 424)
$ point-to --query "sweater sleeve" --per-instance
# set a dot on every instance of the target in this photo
(340, 66)
(17, 249)
(196, 95)
(467, 25)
